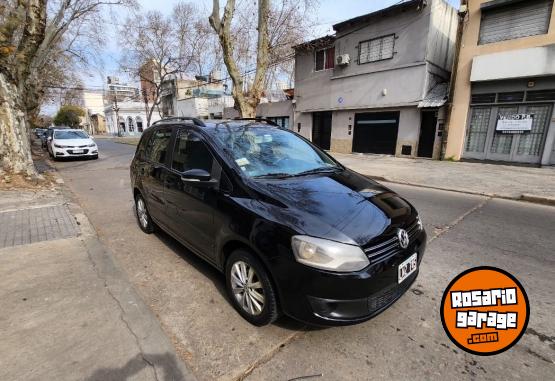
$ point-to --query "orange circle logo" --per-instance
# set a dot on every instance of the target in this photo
(485, 311)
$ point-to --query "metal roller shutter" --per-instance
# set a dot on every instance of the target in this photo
(522, 19)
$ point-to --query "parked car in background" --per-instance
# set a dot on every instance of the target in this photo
(39, 132)
(293, 230)
(65, 143)
(48, 134)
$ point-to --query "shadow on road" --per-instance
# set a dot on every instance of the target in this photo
(167, 362)
(218, 278)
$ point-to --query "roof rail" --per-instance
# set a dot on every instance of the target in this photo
(271, 122)
(196, 121)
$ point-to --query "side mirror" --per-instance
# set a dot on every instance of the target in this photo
(196, 175)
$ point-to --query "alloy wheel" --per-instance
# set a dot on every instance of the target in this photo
(247, 288)
(142, 213)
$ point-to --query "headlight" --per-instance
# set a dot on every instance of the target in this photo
(60, 146)
(92, 145)
(328, 255)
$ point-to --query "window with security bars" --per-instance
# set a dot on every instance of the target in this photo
(478, 129)
(376, 49)
(502, 143)
(531, 143)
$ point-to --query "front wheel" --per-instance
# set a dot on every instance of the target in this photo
(143, 217)
(250, 289)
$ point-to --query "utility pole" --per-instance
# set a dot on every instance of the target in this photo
(145, 98)
(116, 110)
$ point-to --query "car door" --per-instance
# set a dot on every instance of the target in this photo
(190, 201)
(153, 171)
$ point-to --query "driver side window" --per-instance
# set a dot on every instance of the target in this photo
(190, 152)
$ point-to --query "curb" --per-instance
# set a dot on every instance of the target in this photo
(533, 199)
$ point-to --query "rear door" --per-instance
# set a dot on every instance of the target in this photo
(191, 204)
(154, 170)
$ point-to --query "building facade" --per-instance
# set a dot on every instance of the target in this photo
(378, 85)
(132, 118)
(504, 92)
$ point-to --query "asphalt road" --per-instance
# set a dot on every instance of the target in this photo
(407, 341)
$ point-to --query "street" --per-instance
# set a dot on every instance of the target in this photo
(407, 341)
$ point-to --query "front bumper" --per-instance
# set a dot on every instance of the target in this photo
(324, 298)
(75, 152)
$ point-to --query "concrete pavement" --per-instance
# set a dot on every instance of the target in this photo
(495, 180)
(67, 312)
(405, 342)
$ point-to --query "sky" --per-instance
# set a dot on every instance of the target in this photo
(328, 12)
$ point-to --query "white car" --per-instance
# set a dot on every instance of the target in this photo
(71, 143)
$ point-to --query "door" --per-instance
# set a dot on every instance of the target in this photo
(376, 132)
(427, 138)
(153, 173)
(191, 203)
(321, 129)
(484, 142)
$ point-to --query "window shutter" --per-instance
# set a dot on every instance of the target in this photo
(523, 19)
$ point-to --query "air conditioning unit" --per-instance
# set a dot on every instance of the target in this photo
(343, 59)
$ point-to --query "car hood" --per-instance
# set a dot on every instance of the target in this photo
(342, 206)
(73, 142)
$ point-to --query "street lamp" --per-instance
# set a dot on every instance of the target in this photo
(116, 110)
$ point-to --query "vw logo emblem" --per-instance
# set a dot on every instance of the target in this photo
(403, 237)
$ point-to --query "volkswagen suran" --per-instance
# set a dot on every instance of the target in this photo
(293, 230)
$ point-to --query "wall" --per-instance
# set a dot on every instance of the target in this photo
(342, 142)
(469, 50)
(440, 49)
(403, 76)
(194, 107)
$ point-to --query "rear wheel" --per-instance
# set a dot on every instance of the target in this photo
(250, 289)
(143, 218)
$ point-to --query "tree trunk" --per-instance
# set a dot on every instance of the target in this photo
(15, 147)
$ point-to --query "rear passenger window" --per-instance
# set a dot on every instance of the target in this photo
(191, 153)
(157, 149)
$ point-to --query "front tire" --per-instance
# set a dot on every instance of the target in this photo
(143, 217)
(250, 289)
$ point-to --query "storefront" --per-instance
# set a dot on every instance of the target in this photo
(510, 121)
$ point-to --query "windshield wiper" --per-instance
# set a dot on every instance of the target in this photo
(317, 170)
(274, 174)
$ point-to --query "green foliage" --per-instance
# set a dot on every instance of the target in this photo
(69, 116)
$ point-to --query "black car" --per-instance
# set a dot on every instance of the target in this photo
(294, 231)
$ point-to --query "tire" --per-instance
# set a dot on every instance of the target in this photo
(257, 305)
(143, 217)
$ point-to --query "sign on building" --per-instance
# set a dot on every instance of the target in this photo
(514, 124)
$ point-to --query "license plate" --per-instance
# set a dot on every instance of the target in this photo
(78, 151)
(407, 267)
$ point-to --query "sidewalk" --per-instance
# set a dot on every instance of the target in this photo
(67, 312)
(505, 181)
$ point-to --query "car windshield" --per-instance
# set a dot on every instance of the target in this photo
(265, 151)
(70, 135)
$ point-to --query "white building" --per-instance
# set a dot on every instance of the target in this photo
(132, 118)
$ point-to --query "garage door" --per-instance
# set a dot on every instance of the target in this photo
(376, 132)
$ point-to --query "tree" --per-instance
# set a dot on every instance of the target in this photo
(42, 121)
(32, 33)
(69, 115)
(244, 102)
(159, 47)
(267, 40)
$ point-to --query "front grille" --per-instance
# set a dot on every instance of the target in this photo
(71, 152)
(384, 298)
(388, 246)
